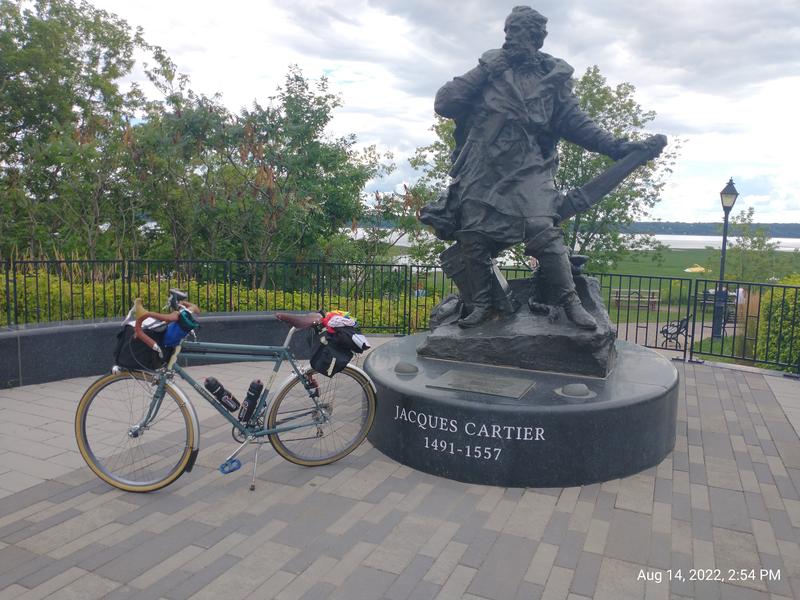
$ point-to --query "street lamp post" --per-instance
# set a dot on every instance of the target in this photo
(728, 197)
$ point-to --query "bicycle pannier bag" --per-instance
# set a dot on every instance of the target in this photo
(328, 357)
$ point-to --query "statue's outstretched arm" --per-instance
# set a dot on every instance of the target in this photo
(575, 126)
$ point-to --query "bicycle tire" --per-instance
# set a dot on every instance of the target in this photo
(144, 463)
(350, 398)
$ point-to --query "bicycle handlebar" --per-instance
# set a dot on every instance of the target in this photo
(139, 333)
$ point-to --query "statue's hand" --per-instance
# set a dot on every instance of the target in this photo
(495, 63)
(622, 146)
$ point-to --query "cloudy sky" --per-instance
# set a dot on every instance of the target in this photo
(723, 75)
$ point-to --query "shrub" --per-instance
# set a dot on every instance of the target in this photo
(779, 324)
(44, 297)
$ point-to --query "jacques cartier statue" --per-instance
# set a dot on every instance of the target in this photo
(510, 112)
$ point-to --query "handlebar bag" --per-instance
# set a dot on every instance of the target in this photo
(131, 353)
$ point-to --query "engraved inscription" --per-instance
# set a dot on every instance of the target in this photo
(470, 434)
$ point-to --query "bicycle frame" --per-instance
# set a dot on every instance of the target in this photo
(238, 353)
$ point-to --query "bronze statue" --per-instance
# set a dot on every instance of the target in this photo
(510, 112)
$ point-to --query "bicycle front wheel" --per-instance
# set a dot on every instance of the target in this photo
(119, 446)
(347, 403)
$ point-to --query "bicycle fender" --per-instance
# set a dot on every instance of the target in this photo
(195, 423)
(363, 373)
(284, 383)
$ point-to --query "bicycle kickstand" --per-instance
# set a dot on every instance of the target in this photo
(255, 466)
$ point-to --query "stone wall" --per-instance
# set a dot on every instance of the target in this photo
(39, 353)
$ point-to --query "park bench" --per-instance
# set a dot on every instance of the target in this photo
(731, 305)
(672, 331)
(638, 298)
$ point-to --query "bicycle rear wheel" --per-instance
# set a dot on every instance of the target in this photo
(347, 399)
(132, 459)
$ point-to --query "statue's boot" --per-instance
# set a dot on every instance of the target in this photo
(456, 266)
(478, 315)
(556, 268)
(477, 276)
(577, 314)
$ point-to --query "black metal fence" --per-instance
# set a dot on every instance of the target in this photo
(756, 323)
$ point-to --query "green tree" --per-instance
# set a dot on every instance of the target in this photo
(306, 186)
(62, 117)
(597, 232)
(751, 255)
(433, 161)
(90, 168)
(264, 184)
(173, 169)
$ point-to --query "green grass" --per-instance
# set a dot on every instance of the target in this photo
(673, 265)
(644, 315)
(738, 349)
(673, 262)
(676, 260)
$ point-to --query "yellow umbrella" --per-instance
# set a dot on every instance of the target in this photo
(695, 268)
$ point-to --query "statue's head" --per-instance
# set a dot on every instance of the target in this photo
(525, 32)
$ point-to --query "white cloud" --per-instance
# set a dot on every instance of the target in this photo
(722, 74)
(750, 138)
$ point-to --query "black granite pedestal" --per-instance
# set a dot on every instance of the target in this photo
(520, 428)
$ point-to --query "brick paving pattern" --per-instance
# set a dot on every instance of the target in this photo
(367, 527)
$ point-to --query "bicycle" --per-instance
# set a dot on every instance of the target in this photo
(139, 432)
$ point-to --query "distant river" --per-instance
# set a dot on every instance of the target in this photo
(678, 242)
(688, 242)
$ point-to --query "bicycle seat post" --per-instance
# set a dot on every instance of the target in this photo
(289, 336)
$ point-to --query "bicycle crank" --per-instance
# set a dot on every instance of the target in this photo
(241, 437)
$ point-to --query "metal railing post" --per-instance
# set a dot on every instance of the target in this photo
(409, 294)
(229, 283)
(129, 278)
(7, 265)
(122, 286)
(414, 297)
(319, 288)
(694, 321)
(14, 290)
(689, 316)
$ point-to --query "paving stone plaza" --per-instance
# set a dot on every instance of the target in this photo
(724, 505)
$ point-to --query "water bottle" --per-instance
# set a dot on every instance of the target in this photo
(250, 400)
(220, 393)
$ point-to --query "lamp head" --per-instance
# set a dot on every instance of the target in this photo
(728, 196)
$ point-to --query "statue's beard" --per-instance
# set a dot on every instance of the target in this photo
(520, 53)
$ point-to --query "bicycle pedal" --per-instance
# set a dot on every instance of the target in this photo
(230, 466)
